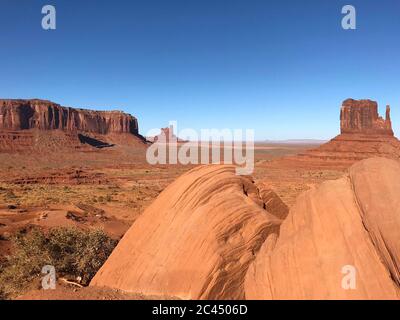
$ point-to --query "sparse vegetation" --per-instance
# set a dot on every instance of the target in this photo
(73, 253)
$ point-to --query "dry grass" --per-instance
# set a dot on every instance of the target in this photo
(73, 252)
(41, 195)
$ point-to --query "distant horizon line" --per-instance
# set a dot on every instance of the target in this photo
(286, 141)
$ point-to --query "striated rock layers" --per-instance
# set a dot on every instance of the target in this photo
(195, 241)
(361, 116)
(340, 241)
(26, 123)
(364, 134)
(207, 236)
(46, 115)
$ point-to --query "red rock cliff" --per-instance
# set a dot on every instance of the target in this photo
(46, 115)
(361, 116)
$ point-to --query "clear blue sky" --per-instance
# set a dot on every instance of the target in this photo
(279, 67)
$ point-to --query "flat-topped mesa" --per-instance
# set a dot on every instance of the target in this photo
(361, 116)
(46, 115)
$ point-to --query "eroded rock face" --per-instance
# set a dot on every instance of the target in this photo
(272, 202)
(195, 241)
(361, 116)
(45, 115)
(352, 222)
(364, 134)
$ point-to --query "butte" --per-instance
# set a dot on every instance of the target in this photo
(363, 134)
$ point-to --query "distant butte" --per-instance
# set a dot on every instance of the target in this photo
(166, 136)
(33, 124)
(364, 134)
(361, 116)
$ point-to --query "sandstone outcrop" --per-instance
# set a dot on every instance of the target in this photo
(351, 224)
(208, 236)
(272, 202)
(364, 134)
(166, 136)
(46, 115)
(26, 124)
(361, 116)
(195, 241)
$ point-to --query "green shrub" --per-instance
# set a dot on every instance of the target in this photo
(73, 252)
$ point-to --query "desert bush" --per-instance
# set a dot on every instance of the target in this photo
(73, 252)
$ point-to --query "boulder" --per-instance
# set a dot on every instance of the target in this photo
(195, 241)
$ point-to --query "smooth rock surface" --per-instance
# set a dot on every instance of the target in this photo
(195, 241)
(353, 221)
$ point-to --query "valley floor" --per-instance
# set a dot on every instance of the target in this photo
(109, 189)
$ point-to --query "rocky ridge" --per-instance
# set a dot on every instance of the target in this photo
(40, 125)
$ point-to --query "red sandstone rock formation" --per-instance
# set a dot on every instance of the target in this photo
(39, 125)
(361, 116)
(353, 221)
(46, 115)
(272, 202)
(195, 241)
(166, 136)
(364, 134)
(201, 239)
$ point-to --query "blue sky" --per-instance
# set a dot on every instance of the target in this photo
(279, 67)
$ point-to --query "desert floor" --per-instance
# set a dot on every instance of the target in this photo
(109, 189)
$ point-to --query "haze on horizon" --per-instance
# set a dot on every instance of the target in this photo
(281, 68)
